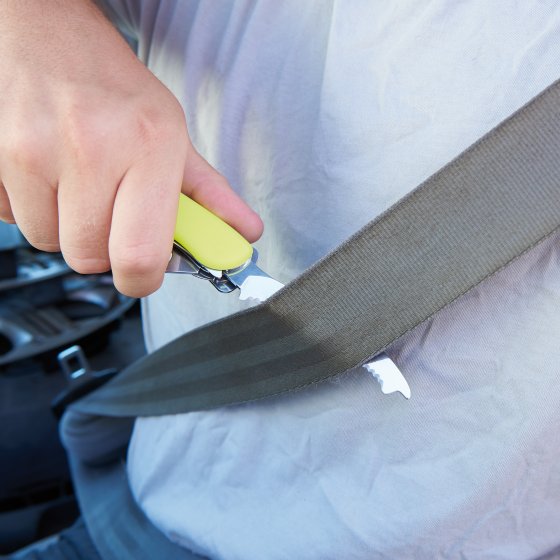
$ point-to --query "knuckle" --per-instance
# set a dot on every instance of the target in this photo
(137, 273)
(200, 181)
(25, 152)
(150, 127)
(91, 135)
(47, 246)
(136, 288)
(41, 236)
(156, 125)
(87, 264)
(85, 140)
(136, 263)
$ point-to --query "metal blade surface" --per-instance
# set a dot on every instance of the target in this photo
(181, 265)
(389, 376)
(258, 287)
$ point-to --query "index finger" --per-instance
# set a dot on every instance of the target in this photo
(205, 185)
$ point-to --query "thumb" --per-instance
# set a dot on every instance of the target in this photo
(205, 185)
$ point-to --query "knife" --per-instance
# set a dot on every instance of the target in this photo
(208, 248)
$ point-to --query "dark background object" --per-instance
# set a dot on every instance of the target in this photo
(8, 264)
(44, 308)
(10, 238)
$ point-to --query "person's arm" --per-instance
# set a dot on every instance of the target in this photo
(93, 148)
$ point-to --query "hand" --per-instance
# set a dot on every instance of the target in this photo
(94, 149)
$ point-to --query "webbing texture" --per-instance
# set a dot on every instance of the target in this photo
(494, 202)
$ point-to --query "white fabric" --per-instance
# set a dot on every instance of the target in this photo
(322, 114)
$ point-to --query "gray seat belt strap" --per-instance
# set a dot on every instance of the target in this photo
(118, 527)
(491, 204)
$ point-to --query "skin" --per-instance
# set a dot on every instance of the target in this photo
(94, 149)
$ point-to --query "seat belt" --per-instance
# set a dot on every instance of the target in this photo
(481, 211)
(493, 203)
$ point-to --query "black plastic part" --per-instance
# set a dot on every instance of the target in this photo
(80, 388)
(34, 475)
(8, 264)
(35, 322)
(28, 266)
(36, 497)
(24, 525)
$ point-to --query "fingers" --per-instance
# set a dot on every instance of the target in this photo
(205, 185)
(28, 195)
(130, 228)
(143, 222)
(112, 204)
(85, 202)
(6, 214)
(101, 221)
(31, 202)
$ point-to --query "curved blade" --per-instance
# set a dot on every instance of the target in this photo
(259, 287)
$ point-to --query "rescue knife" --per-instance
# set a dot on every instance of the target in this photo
(208, 248)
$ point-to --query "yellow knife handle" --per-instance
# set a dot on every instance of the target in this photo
(211, 241)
